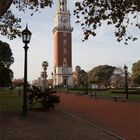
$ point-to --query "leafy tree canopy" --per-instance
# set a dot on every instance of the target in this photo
(101, 74)
(136, 72)
(9, 23)
(6, 56)
(121, 13)
(90, 14)
(117, 78)
(18, 82)
(6, 60)
(80, 76)
(6, 76)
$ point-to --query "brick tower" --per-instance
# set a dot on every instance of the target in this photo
(62, 31)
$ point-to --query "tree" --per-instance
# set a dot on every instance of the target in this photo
(76, 75)
(79, 77)
(6, 56)
(4, 6)
(136, 73)
(6, 60)
(6, 76)
(101, 75)
(83, 78)
(117, 78)
(9, 23)
(18, 82)
(91, 14)
(120, 13)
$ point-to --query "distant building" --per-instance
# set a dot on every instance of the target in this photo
(38, 82)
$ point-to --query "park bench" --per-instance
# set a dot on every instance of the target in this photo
(116, 98)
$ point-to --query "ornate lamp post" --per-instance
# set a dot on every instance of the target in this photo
(26, 36)
(126, 80)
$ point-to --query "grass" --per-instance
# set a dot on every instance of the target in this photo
(10, 102)
(104, 94)
(134, 98)
(13, 102)
(109, 95)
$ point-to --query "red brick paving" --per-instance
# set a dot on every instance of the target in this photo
(121, 118)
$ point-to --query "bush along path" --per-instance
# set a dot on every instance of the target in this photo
(44, 100)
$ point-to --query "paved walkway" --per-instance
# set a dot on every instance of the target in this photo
(51, 125)
(121, 118)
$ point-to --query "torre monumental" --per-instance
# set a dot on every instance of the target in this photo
(62, 31)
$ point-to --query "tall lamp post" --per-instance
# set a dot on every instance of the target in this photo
(126, 80)
(26, 36)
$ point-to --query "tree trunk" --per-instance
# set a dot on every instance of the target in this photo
(4, 6)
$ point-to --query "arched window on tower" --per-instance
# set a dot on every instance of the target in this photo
(64, 42)
(64, 62)
(65, 51)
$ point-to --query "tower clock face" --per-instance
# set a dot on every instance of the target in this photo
(64, 19)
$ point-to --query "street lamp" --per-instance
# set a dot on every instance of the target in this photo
(26, 36)
(126, 82)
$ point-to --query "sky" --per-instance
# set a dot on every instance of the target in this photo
(101, 50)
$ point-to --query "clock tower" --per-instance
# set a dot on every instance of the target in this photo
(62, 31)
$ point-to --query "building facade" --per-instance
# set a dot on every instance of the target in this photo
(62, 31)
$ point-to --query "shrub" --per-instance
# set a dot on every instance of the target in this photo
(46, 100)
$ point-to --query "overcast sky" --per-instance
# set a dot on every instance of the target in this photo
(101, 50)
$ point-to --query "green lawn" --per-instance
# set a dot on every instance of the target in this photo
(10, 101)
(109, 95)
